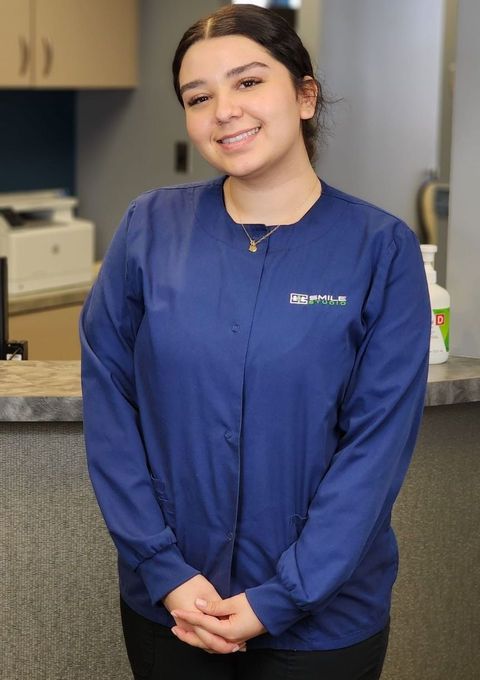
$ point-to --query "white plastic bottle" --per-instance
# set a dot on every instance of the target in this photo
(440, 305)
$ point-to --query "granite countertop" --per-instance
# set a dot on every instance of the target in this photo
(40, 391)
(455, 382)
(50, 390)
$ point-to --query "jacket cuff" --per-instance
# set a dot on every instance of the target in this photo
(274, 606)
(165, 571)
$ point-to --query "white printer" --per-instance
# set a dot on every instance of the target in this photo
(46, 245)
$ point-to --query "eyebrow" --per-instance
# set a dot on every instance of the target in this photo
(238, 70)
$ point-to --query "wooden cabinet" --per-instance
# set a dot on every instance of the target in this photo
(15, 44)
(68, 43)
(85, 43)
(52, 334)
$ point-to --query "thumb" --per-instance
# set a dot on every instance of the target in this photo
(214, 608)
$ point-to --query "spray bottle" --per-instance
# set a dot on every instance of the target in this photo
(440, 305)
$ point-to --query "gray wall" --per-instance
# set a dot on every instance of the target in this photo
(59, 617)
(448, 73)
(385, 60)
(125, 139)
(463, 270)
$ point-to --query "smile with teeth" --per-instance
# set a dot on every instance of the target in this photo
(240, 137)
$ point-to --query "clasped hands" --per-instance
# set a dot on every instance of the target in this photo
(206, 621)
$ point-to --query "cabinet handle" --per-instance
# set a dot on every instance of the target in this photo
(48, 51)
(24, 55)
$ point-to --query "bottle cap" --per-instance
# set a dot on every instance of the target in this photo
(428, 248)
(428, 253)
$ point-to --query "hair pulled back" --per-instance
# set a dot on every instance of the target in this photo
(273, 33)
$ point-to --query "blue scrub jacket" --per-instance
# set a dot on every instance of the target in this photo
(251, 416)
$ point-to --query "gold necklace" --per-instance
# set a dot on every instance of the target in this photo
(253, 244)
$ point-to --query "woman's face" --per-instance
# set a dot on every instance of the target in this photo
(242, 110)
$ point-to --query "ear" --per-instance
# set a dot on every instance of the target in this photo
(307, 97)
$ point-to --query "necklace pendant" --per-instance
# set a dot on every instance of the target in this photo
(252, 247)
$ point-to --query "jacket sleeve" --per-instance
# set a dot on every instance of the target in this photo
(379, 420)
(116, 456)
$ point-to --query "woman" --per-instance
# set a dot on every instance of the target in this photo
(254, 364)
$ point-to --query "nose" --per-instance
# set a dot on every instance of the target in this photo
(227, 107)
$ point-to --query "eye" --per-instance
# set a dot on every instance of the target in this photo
(199, 99)
(249, 82)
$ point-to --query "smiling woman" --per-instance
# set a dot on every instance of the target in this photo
(243, 112)
(246, 444)
(272, 33)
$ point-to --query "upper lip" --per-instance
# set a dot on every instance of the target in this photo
(239, 132)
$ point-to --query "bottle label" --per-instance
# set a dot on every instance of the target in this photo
(440, 340)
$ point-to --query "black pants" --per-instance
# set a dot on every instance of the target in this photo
(156, 654)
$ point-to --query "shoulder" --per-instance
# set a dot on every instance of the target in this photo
(161, 217)
(178, 197)
(376, 237)
(366, 219)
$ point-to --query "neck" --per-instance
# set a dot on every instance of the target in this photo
(280, 201)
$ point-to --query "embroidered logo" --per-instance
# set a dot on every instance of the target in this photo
(318, 299)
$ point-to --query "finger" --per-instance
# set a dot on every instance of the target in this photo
(183, 624)
(215, 642)
(215, 608)
(189, 637)
(209, 623)
(206, 640)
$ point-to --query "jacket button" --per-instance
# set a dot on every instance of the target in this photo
(235, 328)
(229, 536)
(228, 435)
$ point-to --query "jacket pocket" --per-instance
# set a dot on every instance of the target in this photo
(164, 501)
(296, 524)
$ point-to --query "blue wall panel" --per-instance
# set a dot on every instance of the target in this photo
(37, 140)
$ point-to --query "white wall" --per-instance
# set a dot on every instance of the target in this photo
(463, 252)
(125, 139)
(384, 59)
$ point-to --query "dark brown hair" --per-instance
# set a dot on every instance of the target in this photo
(273, 33)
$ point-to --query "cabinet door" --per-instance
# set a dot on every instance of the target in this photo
(52, 334)
(85, 43)
(15, 44)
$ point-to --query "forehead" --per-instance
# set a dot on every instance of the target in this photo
(214, 56)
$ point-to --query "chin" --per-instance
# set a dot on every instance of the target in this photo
(235, 167)
(243, 170)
